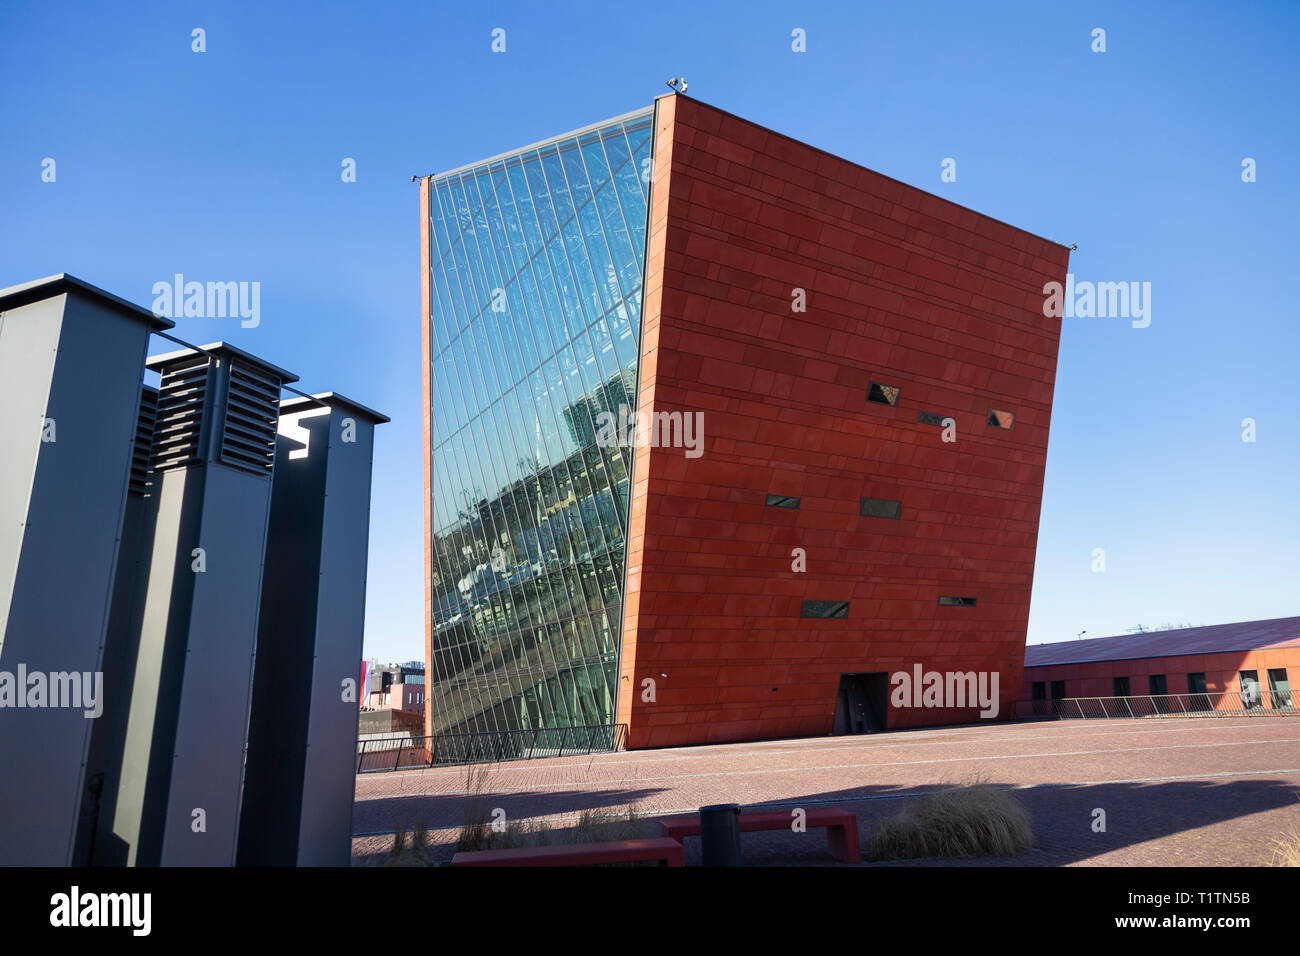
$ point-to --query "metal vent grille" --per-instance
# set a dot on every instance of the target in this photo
(144, 426)
(181, 396)
(252, 412)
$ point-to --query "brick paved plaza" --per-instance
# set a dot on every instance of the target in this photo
(1210, 792)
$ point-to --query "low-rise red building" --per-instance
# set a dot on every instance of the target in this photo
(1243, 666)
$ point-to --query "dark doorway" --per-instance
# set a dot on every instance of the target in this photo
(1158, 688)
(1058, 695)
(862, 702)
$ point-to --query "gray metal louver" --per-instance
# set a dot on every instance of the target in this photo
(181, 397)
(252, 413)
(143, 449)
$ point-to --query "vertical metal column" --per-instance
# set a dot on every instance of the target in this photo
(178, 791)
(121, 646)
(71, 364)
(301, 774)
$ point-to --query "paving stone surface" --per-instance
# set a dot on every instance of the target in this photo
(1201, 792)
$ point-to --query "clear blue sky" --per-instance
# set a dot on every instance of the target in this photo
(226, 165)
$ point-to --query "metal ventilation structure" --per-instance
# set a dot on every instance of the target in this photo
(71, 363)
(299, 781)
(133, 538)
(178, 789)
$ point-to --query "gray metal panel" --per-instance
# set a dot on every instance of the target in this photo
(207, 769)
(95, 842)
(29, 342)
(302, 737)
(132, 836)
(184, 748)
(61, 508)
(325, 835)
(221, 350)
(61, 283)
(277, 731)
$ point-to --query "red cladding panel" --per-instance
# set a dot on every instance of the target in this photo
(900, 288)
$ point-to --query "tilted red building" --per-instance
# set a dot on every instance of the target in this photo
(870, 373)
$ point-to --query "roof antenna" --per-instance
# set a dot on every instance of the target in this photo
(677, 84)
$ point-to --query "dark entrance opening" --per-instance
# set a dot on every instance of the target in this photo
(863, 699)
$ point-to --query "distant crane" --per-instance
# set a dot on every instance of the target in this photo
(1140, 629)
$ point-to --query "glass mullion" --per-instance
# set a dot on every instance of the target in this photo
(539, 278)
(503, 326)
(516, 396)
(554, 254)
(591, 229)
(590, 303)
(507, 263)
(455, 266)
(478, 281)
(627, 268)
(627, 191)
(640, 139)
(608, 362)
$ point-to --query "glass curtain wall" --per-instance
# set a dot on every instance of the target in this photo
(535, 300)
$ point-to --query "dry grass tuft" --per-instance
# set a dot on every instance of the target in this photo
(1286, 849)
(479, 833)
(971, 819)
(406, 852)
(597, 826)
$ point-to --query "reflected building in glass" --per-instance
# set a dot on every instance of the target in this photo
(817, 320)
(534, 292)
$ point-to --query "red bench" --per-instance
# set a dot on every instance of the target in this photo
(667, 851)
(841, 828)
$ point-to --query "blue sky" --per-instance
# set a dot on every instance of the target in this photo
(226, 165)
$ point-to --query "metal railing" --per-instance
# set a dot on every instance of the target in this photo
(407, 752)
(1262, 703)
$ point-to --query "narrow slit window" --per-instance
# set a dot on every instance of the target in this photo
(883, 394)
(824, 609)
(930, 418)
(782, 501)
(1000, 419)
(880, 508)
(949, 600)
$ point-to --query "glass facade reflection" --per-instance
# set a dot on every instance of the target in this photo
(536, 262)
